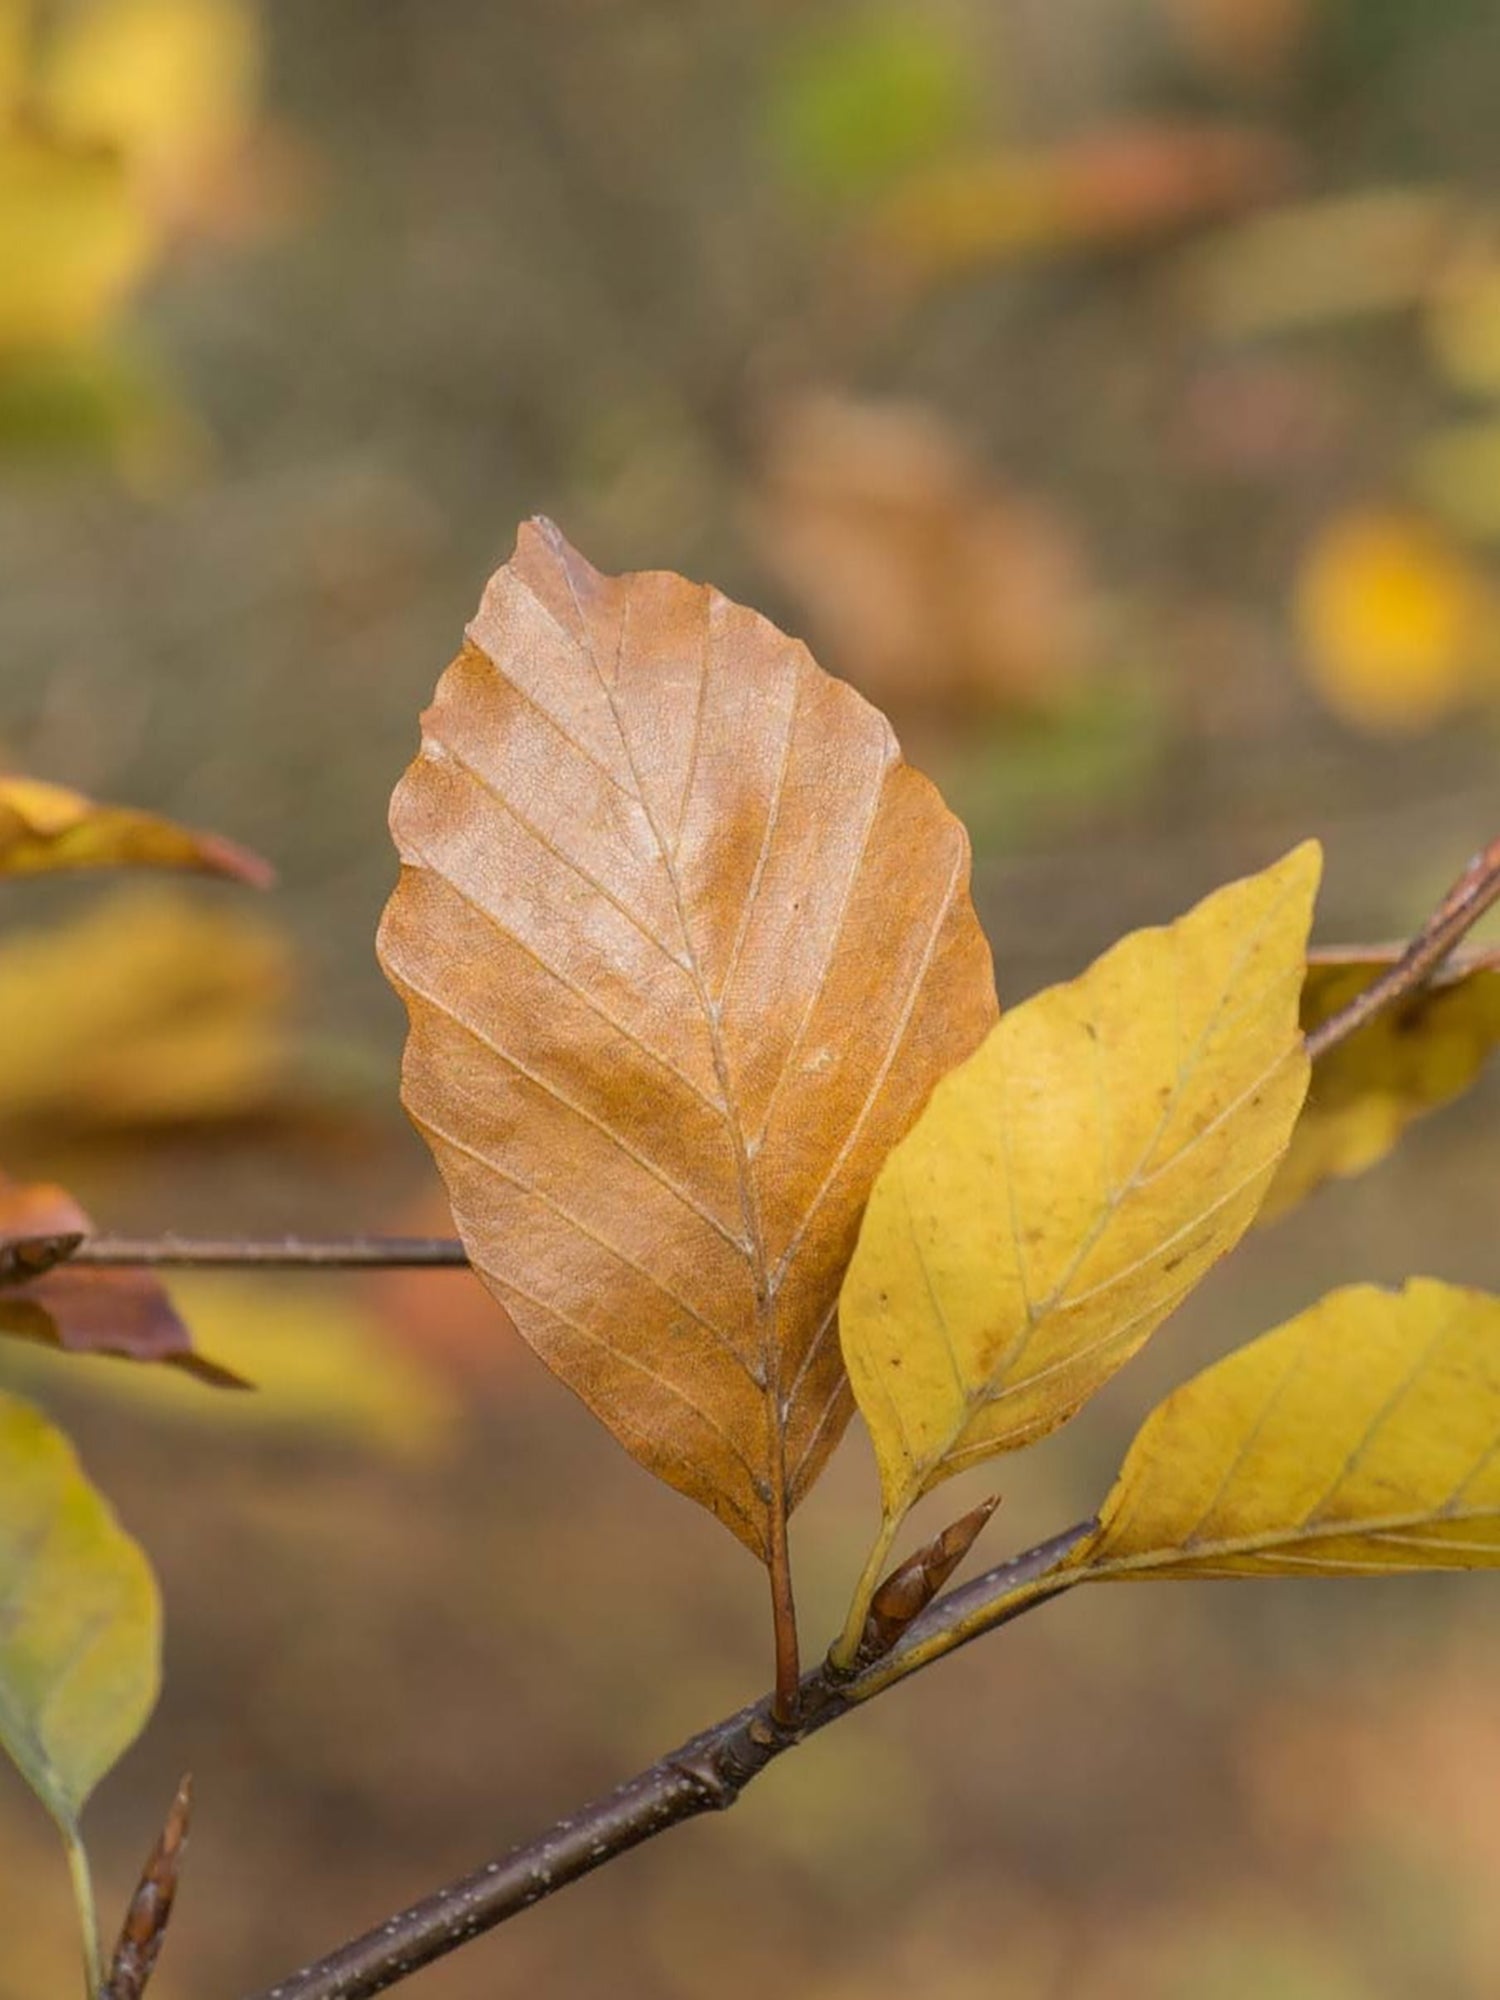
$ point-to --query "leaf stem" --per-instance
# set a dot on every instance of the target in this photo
(88, 1913)
(841, 1653)
(784, 1619)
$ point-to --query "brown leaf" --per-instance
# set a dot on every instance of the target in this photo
(911, 1587)
(45, 827)
(123, 1313)
(684, 945)
(150, 1908)
(925, 581)
(39, 1226)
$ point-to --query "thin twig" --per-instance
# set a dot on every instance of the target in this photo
(321, 1253)
(1476, 891)
(706, 1774)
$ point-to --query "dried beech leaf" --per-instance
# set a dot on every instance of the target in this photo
(46, 827)
(1407, 1061)
(39, 1226)
(1362, 1437)
(1069, 1185)
(126, 1314)
(684, 945)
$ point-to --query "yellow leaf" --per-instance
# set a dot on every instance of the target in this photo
(16, 29)
(1397, 626)
(171, 83)
(1361, 1437)
(150, 1008)
(1463, 322)
(80, 1638)
(1074, 1179)
(74, 240)
(46, 827)
(1408, 1060)
(322, 1365)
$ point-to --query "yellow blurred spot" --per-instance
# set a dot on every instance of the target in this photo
(1463, 325)
(74, 241)
(1398, 629)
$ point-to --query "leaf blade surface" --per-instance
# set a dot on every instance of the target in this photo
(1071, 1181)
(683, 944)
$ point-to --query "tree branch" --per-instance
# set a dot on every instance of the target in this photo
(706, 1774)
(321, 1253)
(1476, 891)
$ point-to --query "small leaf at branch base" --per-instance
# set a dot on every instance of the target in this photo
(44, 828)
(1071, 1182)
(81, 1636)
(1362, 1437)
(684, 945)
(1405, 1062)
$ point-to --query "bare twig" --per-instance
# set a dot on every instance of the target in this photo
(320, 1253)
(1475, 891)
(706, 1774)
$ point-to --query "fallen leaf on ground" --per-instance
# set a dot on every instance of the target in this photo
(1362, 1437)
(684, 945)
(1069, 1184)
(46, 827)
(1407, 1061)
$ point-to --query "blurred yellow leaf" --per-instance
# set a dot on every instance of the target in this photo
(1463, 322)
(1340, 257)
(16, 30)
(322, 1365)
(80, 1639)
(74, 240)
(46, 827)
(923, 580)
(150, 1008)
(172, 84)
(1398, 628)
(1361, 1437)
(1457, 474)
(1407, 1061)
(1073, 1180)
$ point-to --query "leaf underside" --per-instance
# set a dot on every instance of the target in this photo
(684, 945)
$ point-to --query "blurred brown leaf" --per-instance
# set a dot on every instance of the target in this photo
(46, 827)
(1249, 41)
(684, 945)
(39, 1226)
(924, 582)
(1110, 189)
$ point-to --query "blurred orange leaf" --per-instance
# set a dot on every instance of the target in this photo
(923, 581)
(46, 827)
(1109, 189)
(1398, 627)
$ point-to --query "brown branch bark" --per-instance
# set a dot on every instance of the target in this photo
(319, 1253)
(1476, 891)
(705, 1774)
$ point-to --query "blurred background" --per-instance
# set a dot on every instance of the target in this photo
(1111, 390)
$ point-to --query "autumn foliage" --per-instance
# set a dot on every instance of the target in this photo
(704, 1037)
